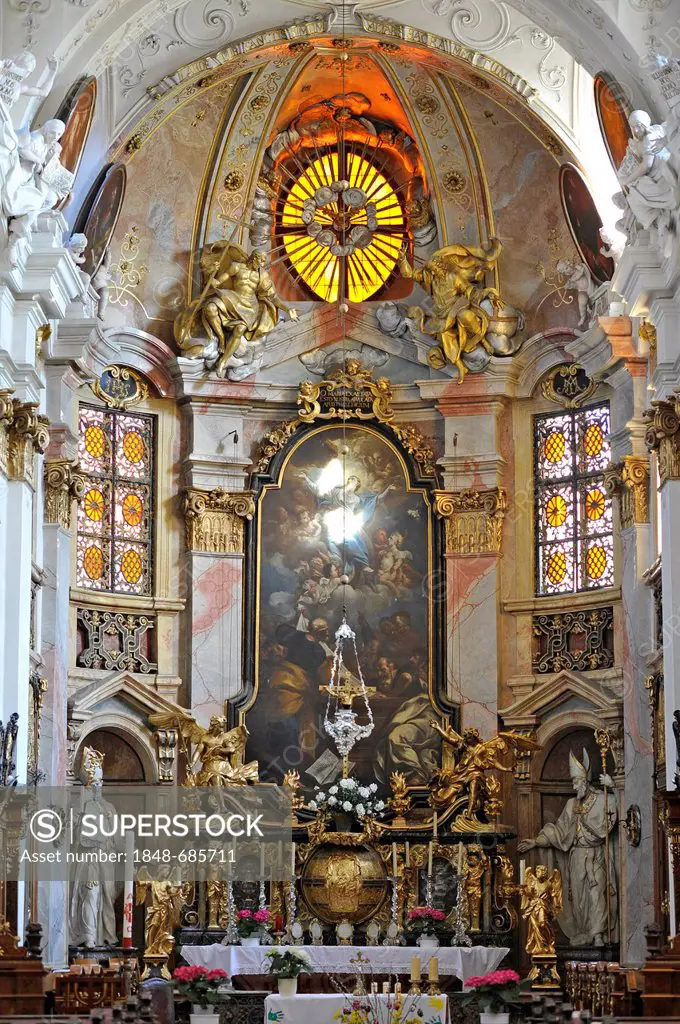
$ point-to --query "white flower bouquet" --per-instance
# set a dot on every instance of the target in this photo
(348, 796)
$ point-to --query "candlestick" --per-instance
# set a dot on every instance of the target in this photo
(292, 859)
(128, 890)
(386, 988)
(374, 988)
(397, 988)
(429, 860)
(407, 855)
(394, 859)
(434, 824)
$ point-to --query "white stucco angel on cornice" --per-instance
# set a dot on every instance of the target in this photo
(14, 71)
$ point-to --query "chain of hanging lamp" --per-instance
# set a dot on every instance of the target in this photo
(341, 721)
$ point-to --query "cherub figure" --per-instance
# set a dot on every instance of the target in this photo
(236, 310)
(474, 759)
(541, 902)
(453, 277)
(219, 749)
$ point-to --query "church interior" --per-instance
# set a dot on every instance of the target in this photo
(339, 449)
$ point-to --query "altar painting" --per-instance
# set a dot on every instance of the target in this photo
(352, 515)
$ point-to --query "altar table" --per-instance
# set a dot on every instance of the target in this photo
(334, 1009)
(461, 961)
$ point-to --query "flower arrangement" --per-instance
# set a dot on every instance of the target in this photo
(424, 920)
(199, 985)
(252, 922)
(349, 796)
(494, 991)
(287, 963)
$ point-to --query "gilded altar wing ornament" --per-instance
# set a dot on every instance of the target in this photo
(237, 308)
(471, 774)
(453, 277)
(219, 749)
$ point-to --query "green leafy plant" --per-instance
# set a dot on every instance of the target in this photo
(287, 963)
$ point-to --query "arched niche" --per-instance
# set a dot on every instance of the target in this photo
(343, 499)
(129, 758)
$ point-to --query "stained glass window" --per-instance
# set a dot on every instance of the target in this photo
(342, 226)
(573, 510)
(115, 516)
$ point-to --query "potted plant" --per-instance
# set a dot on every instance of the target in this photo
(347, 801)
(494, 993)
(421, 924)
(201, 988)
(252, 926)
(286, 965)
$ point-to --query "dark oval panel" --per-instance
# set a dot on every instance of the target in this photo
(103, 216)
(584, 222)
(77, 112)
(612, 113)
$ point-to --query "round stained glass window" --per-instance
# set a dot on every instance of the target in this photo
(93, 503)
(555, 446)
(95, 441)
(593, 440)
(133, 509)
(595, 504)
(556, 510)
(557, 567)
(93, 562)
(342, 226)
(131, 566)
(133, 446)
(596, 562)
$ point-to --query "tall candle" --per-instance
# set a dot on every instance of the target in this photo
(433, 969)
(128, 890)
(386, 988)
(415, 968)
(522, 869)
(429, 859)
(434, 825)
(394, 859)
(374, 988)
(460, 857)
(261, 862)
(407, 855)
(292, 859)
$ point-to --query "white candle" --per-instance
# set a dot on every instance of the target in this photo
(128, 890)
(261, 861)
(460, 857)
(292, 859)
(434, 825)
(522, 869)
(394, 859)
(407, 855)
(429, 859)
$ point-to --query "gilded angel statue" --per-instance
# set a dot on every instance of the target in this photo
(165, 899)
(471, 773)
(454, 278)
(219, 749)
(238, 307)
(541, 902)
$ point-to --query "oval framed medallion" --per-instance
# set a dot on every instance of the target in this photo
(612, 113)
(584, 222)
(103, 215)
(77, 111)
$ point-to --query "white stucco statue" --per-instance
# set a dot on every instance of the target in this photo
(101, 282)
(13, 73)
(579, 279)
(650, 182)
(578, 839)
(92, 920)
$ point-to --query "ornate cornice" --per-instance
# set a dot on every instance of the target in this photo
(214, 520)
(663, 437)
(63, 485)
(474, 520)
(6, 417)
(28, 436)
(629, 480)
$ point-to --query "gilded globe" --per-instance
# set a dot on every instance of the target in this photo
(342, 883)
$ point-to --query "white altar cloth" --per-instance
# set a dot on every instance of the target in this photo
(461, 961)
(322, 1009)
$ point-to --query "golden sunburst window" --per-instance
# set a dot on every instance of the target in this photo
(342, 226)
(556, 510)
(595, 504)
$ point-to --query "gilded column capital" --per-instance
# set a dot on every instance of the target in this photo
(629, 481)
(214, 520)
(63, 485)
(474, 519)
(6, 417)
(28, 436)
(663, 437)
